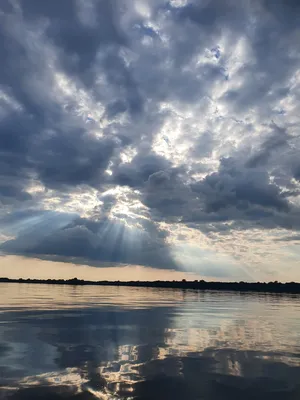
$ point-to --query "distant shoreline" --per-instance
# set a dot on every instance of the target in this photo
(260, 287)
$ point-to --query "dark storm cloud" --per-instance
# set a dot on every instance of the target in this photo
(137, 172)
(297, 173)
(167, 195)
(41, 142)
(210, 16)
(235, 185)
(276, 140)
(73, 162)
(69, 238)
(65, 156)
(273, 61)
(131, 63)
(41, 138)
(29, 227)
(13, 192)
(235, 193)
(78, 42)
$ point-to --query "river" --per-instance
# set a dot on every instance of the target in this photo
(93, 342)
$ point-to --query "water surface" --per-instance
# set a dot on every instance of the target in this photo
(91, 342)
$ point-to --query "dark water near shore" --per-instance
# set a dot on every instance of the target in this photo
(85, 342)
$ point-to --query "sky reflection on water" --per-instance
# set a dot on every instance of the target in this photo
(106, 342)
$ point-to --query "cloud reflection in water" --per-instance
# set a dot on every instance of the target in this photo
(92, 342)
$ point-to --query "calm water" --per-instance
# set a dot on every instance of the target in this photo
(63, 342)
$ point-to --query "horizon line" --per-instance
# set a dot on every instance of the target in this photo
(241, 286)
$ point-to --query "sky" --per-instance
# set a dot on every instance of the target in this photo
(150, 139)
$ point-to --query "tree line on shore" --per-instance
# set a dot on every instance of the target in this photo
(271, 287)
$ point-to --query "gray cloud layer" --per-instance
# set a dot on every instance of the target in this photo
(162, 112)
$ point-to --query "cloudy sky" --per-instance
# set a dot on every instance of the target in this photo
(150, 138)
